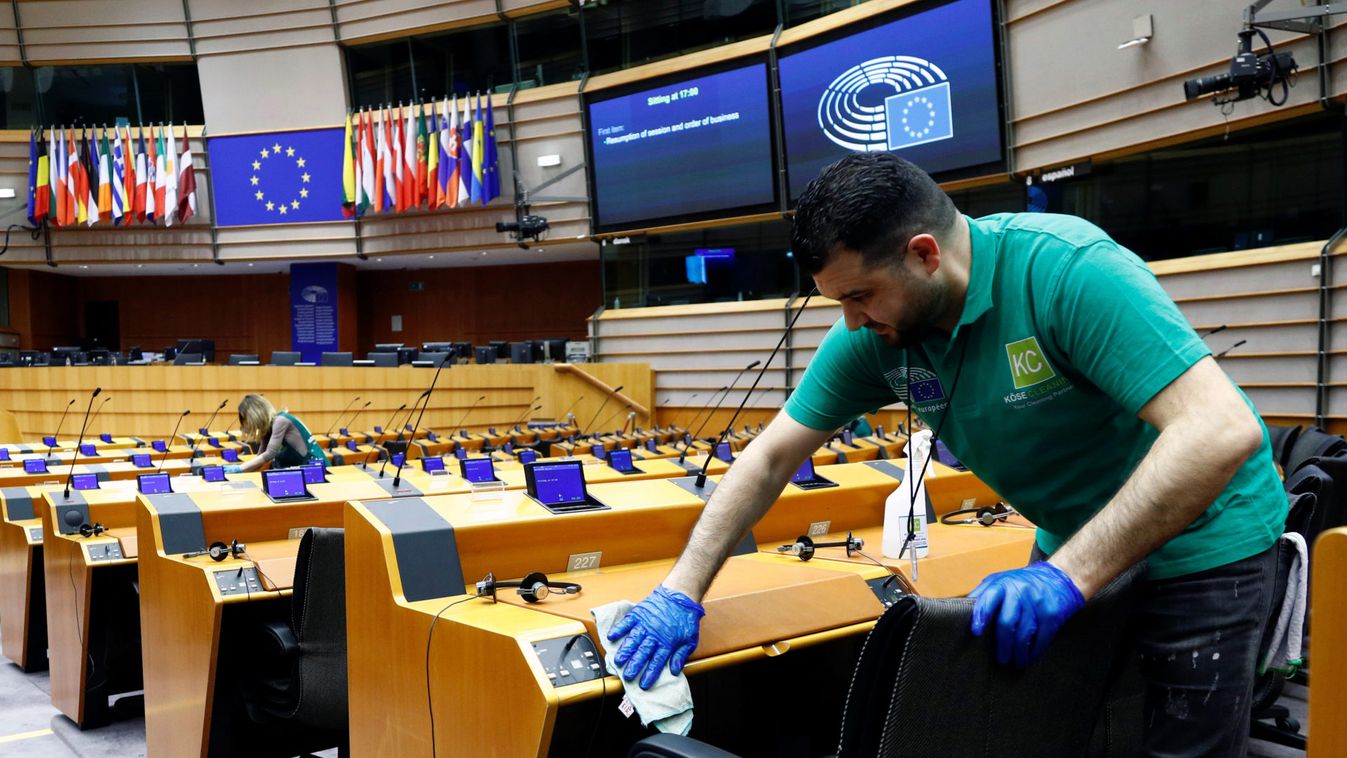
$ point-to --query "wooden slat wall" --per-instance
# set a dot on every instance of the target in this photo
(145, 399)
(1269, 298)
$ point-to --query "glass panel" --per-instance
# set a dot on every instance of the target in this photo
(380, 73)
(77, 95)
(632, 32)
(549, 46)
(796, 12)
(18, 101)
(463, 61)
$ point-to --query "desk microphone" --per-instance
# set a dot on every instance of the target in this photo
(397, 476)
(527, 414)
(1222, 354)
(567, 412)
(328, 433)
(697, 415)
(654, 417)
(376, 439)
(673, 426)
(611, 416)
(191, 455)
(1214, 330)
(631, 421)
(360, 410)
(80, 441)
(607, 396)
(59, 424)
(169, 443)
(520, 420)
(724, 397)
(466, 413)
(407, 422)
(94, 418)
(701, 476)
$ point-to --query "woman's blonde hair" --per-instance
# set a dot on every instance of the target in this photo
(255, 416)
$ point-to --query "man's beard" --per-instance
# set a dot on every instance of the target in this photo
(929, 300)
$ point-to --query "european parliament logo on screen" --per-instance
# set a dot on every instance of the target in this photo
(917, 112)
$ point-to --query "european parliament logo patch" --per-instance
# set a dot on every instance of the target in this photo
(928, 390)
(887, 103)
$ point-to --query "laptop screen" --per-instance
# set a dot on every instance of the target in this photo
(231, 455)
(84, 481)
(847, 437)
(89, 449)
(461, 452)
(528, 456)
(4, 453)
(350, 445)
(620, 460)
(344, 432)
(213, 441)
(724, 453)
(509, 448)
(314, 473)
(35, 466)
(478, 469)
(213, 473)
(159, 446)
(805, 473)
(556, 483)
(105, 437)
(141, 460)
(49, 441)
(154, 484)
(284, 483)
(398, 460)
(652, 445)
(433, 464)
(599, 451)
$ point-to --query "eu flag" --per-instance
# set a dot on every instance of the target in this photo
(277, 178)
(918, 116)
(927, 390)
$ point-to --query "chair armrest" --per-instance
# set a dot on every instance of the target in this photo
(675, 746)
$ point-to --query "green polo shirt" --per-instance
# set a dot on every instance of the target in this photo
(1064, 336)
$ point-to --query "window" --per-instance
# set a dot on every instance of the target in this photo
(796, 12)
(97, 95)
(428, 68)
(632, 32)
(550, 48)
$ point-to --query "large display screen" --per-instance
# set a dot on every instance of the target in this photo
(923, 86)
(687, 147)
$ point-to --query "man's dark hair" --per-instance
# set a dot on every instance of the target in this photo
(873, 203)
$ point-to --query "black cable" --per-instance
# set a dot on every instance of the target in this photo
(603, 698)
(935, 437)
(430, 706)
(34, 231)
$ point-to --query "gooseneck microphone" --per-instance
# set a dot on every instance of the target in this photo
(59, 424)
(726, 396)
(354, 400)
(360, 410)
(1214, 330)
(606, 398)
(527, 414)
(466, 413)
(674, 425)
(94, 417)
(192, 454)
(613, 415)
(80, 441)
(169, 443)
(520, 420)
(397, 476)
(688, 430)
(376, 439)
(1224, 352)
(401, 429)
(701, 476)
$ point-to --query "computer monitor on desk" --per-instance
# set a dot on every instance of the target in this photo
(559, 486)
(204, 348)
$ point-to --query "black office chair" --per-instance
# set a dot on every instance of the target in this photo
(298, 670)
(238, 359)
(336, 359)
(384, 360)
(284, 358)
(1283, 438)
(924, 686)
(1313, 442)
(188, 359)
(431, 360)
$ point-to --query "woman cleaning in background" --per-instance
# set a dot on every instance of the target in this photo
(281, 437)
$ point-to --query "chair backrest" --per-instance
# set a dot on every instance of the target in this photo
(188, 359)
(238, 358)
(1283, 439)
(284, 358)
(336, 359)
(318, 617)
(384, 360)
(923, 680)
(9, 428)
(1313, 442)
(434, 358)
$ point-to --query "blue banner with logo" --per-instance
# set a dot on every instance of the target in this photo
(277, 178)
(313, 309)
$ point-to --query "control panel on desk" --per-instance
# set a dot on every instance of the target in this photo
(569, 660)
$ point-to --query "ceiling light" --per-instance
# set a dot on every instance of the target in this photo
(83, 266)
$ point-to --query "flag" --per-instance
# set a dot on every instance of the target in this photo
(357, 172)
(84, 179)
(186, 180)
(154, 167)
(72, 188)
(170, 208)
(160, 180)
(32, 177)
(409, 160)
(490, 160)
(118, 175)
(100, 181)
(276, 178)
(57, 169)
(141, 176)
(386, 139)
(129, 156)
(347, 173)
(422, 156)
(368, 178)
(475, 186)
(464, 155)
(448, 160)
(380, 166)
(42, 203)
(399, 190)
(433, 161)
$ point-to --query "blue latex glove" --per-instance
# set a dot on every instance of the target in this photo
(1028, 606)
(661, 629)
(232, 468)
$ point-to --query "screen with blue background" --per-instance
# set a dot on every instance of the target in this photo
(923, 87)
(693, 146)
(555, 483)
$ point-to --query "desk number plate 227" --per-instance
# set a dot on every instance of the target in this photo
(583, 561)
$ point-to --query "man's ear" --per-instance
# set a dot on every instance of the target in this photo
(923, 251)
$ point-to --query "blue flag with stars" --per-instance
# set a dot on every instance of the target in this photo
(927, 390)
(277, 178)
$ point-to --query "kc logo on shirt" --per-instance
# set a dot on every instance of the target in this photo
(1028, 365)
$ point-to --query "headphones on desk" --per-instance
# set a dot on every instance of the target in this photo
(92, 531)
(218, 551)
(984, 516)
(533, 587)
(804, 547)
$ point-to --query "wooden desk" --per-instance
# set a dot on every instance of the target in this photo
(23, 596)
(1328, 682)
(17, 477)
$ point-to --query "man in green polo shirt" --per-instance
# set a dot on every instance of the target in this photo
(1050, 361)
